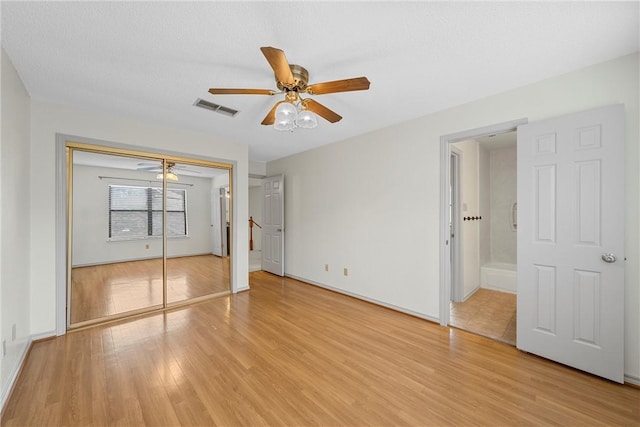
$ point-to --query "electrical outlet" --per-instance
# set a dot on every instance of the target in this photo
(326, 267)
(13, 332)
(346, 271)
(146, 246)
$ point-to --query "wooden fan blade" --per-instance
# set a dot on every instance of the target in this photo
(322, 111)
(270, 118)
(347, 85)
(224, 91)
(279, 63)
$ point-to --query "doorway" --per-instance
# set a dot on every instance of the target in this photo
(570, 237)
(140, 236)
(483, 239)
(256, 196)
(458, 213)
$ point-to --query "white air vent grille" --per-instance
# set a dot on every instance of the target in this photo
(215, 107)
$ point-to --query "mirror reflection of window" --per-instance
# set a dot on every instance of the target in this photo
(116, 248)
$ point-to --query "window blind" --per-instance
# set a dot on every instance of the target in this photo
(136, 212)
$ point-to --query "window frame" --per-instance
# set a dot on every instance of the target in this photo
(149, 213)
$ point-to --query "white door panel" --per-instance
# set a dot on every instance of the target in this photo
(571, 212)
(273, 225)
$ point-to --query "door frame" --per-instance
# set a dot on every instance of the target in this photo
(62, 209)
(445, 182)
(224, 213)
(456, 242)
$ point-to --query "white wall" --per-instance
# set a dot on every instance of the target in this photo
(49, 119)
(469, 207)
(503, 182)
(15, 229)
(340, 209)
(484, 202)
(91, 243)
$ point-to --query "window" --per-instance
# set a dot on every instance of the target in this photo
(136, 212)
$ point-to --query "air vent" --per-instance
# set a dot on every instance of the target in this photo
(215, 107)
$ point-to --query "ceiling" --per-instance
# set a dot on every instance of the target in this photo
(152, 60)
(498, 141)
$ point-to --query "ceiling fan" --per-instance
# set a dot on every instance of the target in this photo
(292, 80)
(172, 175)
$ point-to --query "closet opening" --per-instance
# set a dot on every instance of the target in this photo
(146, 232)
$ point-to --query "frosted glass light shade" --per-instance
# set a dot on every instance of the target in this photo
(283, 124)
(170, 176)
(286, 112)
(306, 120)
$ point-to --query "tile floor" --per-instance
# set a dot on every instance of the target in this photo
(488, 313)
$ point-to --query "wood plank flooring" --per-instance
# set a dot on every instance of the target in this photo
(108, 289)
(288, 353)
(488, 313)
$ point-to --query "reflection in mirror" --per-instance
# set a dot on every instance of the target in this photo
(197, 232)
(116, 261)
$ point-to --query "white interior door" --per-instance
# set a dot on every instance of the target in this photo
(571, 240)
(273, 225)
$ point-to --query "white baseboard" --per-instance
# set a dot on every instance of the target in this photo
(6, 391)
(473, 291)
(242, 289)
(367, 299)
(15, 372)
(632, 380)
(43, 335)
(145, 258)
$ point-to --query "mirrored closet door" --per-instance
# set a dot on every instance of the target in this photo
(146, 232)
(197, 261)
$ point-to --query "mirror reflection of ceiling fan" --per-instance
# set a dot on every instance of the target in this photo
(292, 81)
(172, 168)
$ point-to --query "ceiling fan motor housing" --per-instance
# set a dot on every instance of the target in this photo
(300, 79)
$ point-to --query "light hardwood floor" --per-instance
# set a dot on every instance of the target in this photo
(108, 289)
(288, 353)
(489, 313)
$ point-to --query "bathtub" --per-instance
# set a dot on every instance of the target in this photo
(499, 276)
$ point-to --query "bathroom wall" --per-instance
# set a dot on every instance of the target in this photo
(484, 204)
(502, 176)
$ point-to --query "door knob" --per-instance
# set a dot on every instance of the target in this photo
(608, 257)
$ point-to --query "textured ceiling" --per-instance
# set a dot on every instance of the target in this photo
(152, 60)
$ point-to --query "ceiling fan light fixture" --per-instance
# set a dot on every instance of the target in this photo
(170, 176)
(286, 111)
(306, 120)
(287, 124)
(293, 80)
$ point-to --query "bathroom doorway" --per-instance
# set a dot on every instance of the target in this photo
(483, 224)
